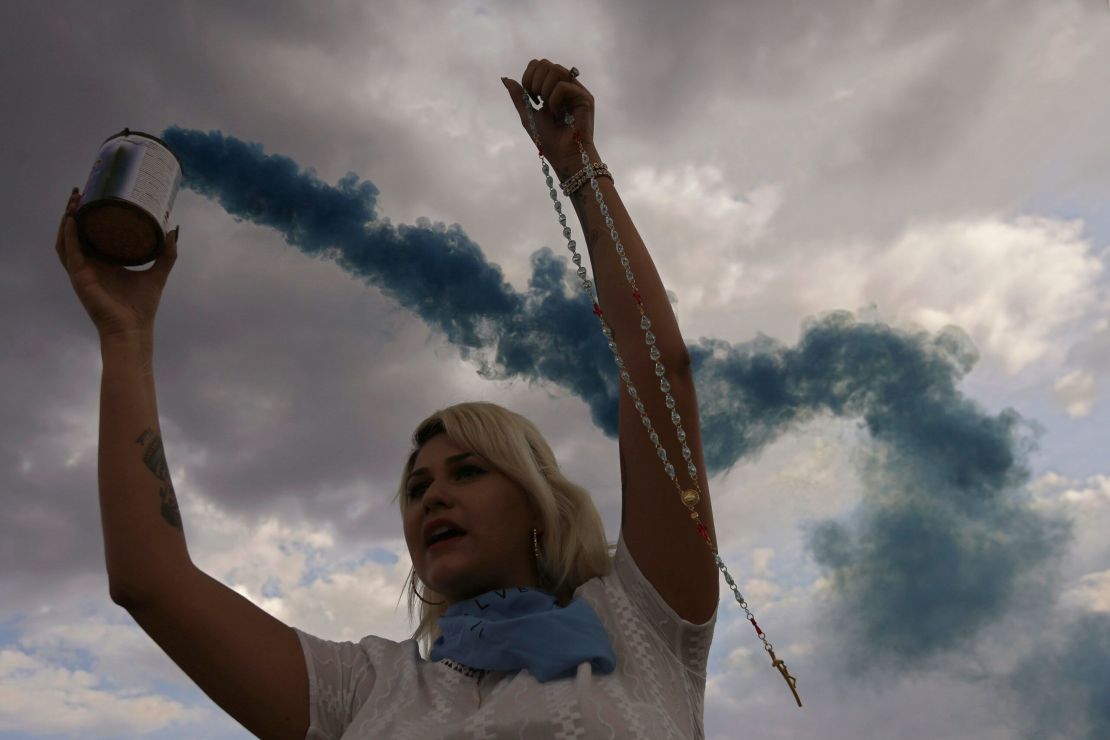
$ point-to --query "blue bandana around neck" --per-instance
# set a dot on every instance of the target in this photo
(514, 628)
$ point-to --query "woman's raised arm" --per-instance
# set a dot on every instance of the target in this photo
(656, 526)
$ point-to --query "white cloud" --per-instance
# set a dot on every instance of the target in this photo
(1019, 287)
(322, 588)
(761, 558)
(1013, 286)
(40, 697)
(1076, 392)
(700, 228)
(1090, 593)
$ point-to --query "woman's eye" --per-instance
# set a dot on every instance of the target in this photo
(419, 488)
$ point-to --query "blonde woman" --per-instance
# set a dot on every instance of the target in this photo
(530, 625)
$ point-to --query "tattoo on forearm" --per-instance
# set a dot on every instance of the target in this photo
(154, 458)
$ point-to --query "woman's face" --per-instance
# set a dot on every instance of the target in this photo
(496, 551)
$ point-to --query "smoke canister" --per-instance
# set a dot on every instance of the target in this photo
(125, 207)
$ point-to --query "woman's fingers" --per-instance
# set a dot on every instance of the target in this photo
(60, 242)
(74, 258)
(565, 98)
(551, 78)
(534, 74)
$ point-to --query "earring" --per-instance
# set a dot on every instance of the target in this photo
(430, 603)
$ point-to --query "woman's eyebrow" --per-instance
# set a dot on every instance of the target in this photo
(453, 458)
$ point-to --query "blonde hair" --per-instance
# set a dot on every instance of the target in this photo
(573, 548)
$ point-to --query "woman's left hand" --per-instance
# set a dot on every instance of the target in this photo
(561, 94)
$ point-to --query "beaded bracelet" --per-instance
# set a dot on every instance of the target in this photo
(581, 177)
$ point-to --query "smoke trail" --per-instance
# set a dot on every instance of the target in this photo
(944, 539)
(1062, 689)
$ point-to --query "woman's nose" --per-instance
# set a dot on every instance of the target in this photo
(434, 493)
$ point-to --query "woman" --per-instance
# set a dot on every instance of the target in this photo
(536, 631)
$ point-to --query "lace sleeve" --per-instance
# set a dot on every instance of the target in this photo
(687, 641)
(340, 678)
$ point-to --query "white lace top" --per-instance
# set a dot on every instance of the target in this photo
(378, 688)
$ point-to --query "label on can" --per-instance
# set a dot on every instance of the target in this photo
(140, 170)
(125, 210)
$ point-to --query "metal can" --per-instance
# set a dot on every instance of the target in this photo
(125, 207)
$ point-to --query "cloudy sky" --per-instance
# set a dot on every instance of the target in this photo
(883, 224)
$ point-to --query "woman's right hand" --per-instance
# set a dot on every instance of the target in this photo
(119, 301)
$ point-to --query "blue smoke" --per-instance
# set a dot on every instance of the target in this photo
(944, 541)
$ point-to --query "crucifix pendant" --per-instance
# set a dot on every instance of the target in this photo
(790, 680)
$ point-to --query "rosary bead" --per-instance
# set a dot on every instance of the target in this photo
(624, 262)
(669, 400)
(693, 471)
(662, 453)
(659, 369)
(655, 354)
(626, 377)
(663, 384)
(675, 417)
(645, 323)
(550, 182)
(577, 258)
(640, 406)
(605, 210)
(681, 434)
(628, 275)
(670, 470)
(647, 421)
(690, 497)
(649, 338)
(581, 272)
(566, 232)
(609, 223)
(562, 217)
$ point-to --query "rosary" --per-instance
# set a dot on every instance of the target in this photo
(689, 497)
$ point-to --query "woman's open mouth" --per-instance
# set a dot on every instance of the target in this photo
(453, 537)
